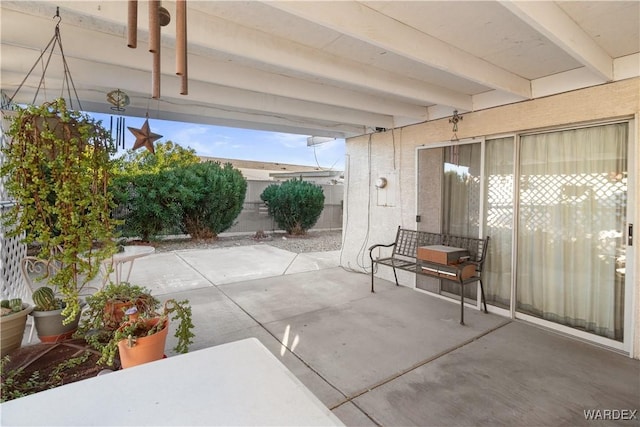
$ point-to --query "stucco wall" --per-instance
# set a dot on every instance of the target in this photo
(392, 154)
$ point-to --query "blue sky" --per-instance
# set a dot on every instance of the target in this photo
(245, 144)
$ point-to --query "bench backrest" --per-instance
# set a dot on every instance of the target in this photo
(408, 241)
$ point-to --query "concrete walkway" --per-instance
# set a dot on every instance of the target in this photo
(396, 357)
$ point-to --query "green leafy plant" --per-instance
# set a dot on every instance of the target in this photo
(295, 204)
(15, 385)
(142, 326)
(148, 192)
(105, 310)
(58, 166)
(103, 328)
(168, 155)
(174, 192)
(149, 204)
(212, 197)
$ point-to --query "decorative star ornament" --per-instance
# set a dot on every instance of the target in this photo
(144, 137)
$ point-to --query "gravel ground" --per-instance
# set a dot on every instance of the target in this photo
(313, 241)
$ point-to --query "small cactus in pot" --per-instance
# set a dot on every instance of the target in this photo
(15, 304)
(10, 306)
(45, 299)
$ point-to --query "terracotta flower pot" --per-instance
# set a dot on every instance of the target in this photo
(12, 329)
(114, 313)
(144, 349)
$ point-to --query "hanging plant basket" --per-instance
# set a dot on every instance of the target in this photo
(58, 166)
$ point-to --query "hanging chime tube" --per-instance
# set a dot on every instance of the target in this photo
(132, 25)
(122, 126)
(155, 76)
(117, 134)
(154, 46)
(154, 26)
(181, 45)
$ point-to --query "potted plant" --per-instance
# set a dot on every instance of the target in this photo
(142, 339)
(106, 308)
(12, 324)
(140, 323)
(57, 163)
(49, 320)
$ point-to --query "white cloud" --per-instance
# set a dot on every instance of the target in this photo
(289, 140)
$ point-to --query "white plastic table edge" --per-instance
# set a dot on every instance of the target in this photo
(238, 383)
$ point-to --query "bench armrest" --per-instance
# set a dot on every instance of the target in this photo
(379, 246)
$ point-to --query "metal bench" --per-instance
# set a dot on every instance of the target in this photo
(404, 257)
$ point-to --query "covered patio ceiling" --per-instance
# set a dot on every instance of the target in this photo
(334, 69)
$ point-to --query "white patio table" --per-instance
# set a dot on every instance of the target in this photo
(235, 384)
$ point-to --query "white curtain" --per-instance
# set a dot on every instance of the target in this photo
(461, 199)
(572, 214)
(498, 215)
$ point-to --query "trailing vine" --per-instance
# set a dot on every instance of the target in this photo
(15, 384)
(57, 162)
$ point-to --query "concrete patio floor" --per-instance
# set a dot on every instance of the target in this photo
(396, 357)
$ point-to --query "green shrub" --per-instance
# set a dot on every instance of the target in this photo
(211, 198)
(167, 155)
(148, 203)
(295, 205)
(147, 190)
(172, 191)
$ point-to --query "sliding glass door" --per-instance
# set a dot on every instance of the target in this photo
(499, 214)
(571, 228)
(450, 202)
(555, 205)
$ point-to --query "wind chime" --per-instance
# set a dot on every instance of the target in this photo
(119, 100)
(158, 17)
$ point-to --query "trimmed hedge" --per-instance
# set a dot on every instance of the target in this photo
(212, 198)
(295, 205)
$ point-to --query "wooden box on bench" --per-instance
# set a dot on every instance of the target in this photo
(440, 254)
(465, 270)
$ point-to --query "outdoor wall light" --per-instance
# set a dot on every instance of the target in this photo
(381, 182)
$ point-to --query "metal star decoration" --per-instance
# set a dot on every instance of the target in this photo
(144, 137)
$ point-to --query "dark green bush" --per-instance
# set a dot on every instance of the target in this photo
(295, 205)
(148, 203)
(148, 192)
(211, 198)
(172, 192)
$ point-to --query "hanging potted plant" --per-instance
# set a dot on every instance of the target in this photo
(12, 324)
(58, 166)
(140, 328)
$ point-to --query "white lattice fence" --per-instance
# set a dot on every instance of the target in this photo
(11, 249)
(11, 253)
